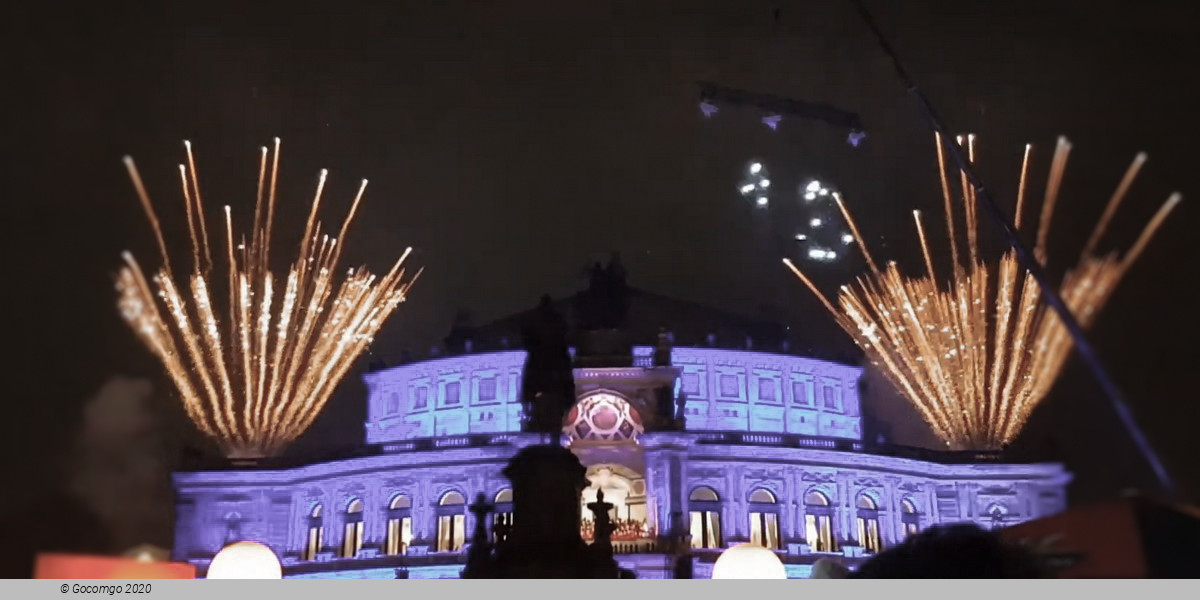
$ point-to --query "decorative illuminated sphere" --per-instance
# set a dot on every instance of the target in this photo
(245, 560)
(748, 561)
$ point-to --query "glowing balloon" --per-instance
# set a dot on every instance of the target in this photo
(748, 561)
(754, 184)
(245, 560)
(825, 233)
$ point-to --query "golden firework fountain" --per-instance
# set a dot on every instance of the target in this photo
(977, 350)
(255, 378)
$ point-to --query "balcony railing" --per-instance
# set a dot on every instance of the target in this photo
(789, 440)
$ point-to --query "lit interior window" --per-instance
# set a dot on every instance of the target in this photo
(868, 524)
(705, 518)
(764, 519)
(352, 535)
(909, 518)
(818, 522)
(451, 523)
(503, 503)
(399, 526)
(315, 537)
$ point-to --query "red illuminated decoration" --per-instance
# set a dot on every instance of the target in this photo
(78, 566)
(604, 416)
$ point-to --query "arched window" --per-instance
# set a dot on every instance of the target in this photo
(503, 509)
(352, 530)
(399, 525)
(910, 519)
(764, 519)
(704, 511)
(451, 522)
(818, 522)
(868, 524)
(316, 534)
(233, 528)
(997, 513)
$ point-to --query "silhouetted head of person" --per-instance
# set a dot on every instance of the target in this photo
(952, 552)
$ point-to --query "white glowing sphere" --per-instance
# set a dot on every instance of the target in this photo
(764, 183)
(847, 238)
(800, 237)
(810, 196)
(749, 187)
(815, 223)
(755, 168)
(748, 561)
(823, 192)
(762, 200)
(245, 560)
(816, 253)
(813, 186)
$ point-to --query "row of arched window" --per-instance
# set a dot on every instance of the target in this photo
(451, 525)
(705, 520)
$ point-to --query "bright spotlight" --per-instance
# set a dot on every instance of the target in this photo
(765, 183)
(748, 561)
(813, 186)
(814, 223)
(245, 560)
(755, 168)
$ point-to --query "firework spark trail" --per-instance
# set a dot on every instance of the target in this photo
(975, 354)
(259, 386)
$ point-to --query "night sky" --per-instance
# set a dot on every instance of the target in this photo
(511, 142)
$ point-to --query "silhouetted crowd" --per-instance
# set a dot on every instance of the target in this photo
(945, 552)
(623, 529)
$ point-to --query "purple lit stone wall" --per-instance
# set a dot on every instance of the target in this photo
(726, 390)
(756, 422)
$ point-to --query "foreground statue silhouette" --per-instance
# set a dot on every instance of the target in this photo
(548, 383)
(542, 540)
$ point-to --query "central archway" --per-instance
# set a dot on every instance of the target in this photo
(626, 491)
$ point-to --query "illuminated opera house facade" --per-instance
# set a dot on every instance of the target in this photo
(725, 445)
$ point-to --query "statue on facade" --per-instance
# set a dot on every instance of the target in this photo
(458, 340)
(662, 348)
(605, 304)
(681, 411)
(548, 383)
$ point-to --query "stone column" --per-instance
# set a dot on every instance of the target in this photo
(787, 508)
(893, 525)
(845, 506)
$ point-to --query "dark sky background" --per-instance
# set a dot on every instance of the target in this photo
(510, 142)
